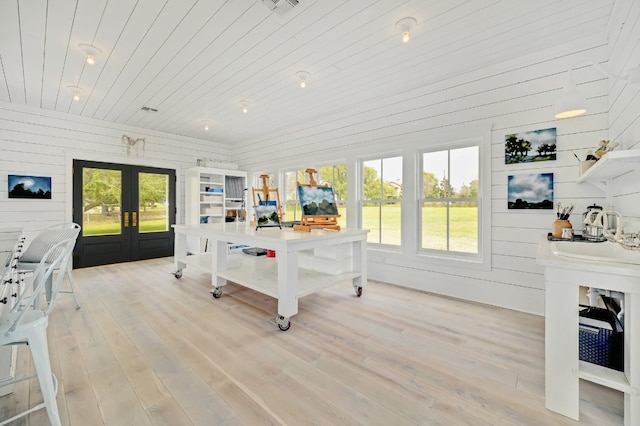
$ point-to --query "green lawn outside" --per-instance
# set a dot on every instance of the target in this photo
(463, 227)
(98, 224)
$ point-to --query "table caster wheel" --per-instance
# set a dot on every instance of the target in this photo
(283, 323)
(178, 274)
(358, 291)
(217, 293)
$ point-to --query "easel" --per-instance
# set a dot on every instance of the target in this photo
(266, 194)
(309, 222)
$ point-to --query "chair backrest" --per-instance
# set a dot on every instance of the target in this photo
(46, 239)
(52, 259)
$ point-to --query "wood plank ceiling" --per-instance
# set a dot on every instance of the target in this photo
(194, 60)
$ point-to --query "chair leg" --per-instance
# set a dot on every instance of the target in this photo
(41, 362)
(73, 290)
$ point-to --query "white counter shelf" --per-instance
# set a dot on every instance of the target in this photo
(611, 166)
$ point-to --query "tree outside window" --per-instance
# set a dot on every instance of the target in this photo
(382, 200)
(450, 200)
(336, 177)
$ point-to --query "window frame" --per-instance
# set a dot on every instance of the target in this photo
(481, 259)
(382, 200)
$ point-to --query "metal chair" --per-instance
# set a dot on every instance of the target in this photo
(32, 256)
(26, 323)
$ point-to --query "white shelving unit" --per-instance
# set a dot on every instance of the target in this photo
(210, 196)
(609, 167)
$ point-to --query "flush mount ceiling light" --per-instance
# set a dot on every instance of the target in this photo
(405, 25)
(91, 51)
(76, 92)
(245, 105)
(303, 76)
(572, 102)
(206, 124)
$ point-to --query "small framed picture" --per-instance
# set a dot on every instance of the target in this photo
(34, 187)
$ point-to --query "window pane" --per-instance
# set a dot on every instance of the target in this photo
(153, 209)
(434, 226)
(101, 201)
(371, 221)
(391, 223)
(392, 177)
(435, 169)
(463, 235)
(371, 171)
(464, 172)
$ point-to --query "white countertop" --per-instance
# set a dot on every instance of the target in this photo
(546, 257)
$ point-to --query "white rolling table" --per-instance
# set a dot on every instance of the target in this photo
(279, 277)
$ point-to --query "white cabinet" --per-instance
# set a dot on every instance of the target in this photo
(211, 196)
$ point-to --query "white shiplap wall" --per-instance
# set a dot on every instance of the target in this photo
(509, 97)
(43, 143)
(624, 112)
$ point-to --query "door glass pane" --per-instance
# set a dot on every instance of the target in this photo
(153, 208)
(101, 201)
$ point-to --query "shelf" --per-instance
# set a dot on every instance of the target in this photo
(605, 376)
(612, 165)
(259, 273)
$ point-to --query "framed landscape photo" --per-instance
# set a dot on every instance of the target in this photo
(35, 187)
(528, 147)
(533, 191)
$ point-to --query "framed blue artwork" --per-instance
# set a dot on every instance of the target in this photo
(37, 187)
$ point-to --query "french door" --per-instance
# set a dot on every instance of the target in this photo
(125, 211)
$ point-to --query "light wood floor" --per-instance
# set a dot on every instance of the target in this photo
(148, 349)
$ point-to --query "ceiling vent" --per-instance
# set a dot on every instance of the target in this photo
(281, 7)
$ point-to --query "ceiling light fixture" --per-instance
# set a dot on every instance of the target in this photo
(91, 51)
(572, 103)
(245, 105)
(303, 76)
(206, 124)
(76, 92)
(405, 25)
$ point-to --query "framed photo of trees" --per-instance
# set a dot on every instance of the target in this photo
(529, 147)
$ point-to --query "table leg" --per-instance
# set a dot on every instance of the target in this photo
(218, 264)
(561, 349)
(179, 252)
(287, 284)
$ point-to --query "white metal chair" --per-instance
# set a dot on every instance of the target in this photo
(26, 323)
(30, 259)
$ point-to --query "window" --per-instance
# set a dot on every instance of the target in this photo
(382, 200)
(336, 177)
(449, 200)
(290, 201)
